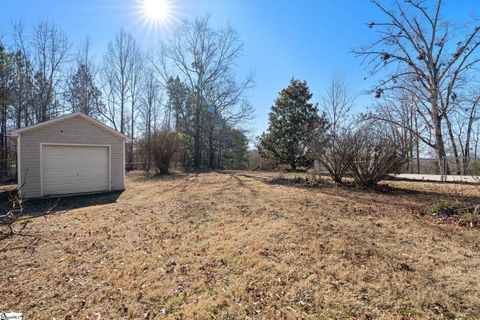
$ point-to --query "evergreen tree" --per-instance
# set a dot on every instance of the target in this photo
(6, 92)
(23, 90)
(292, 120)
(6, 71)
(233, 149)
(82, 94)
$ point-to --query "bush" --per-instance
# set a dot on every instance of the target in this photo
(442, 207)
(372, 155)
(164, 144)
(471, 216)
(333, 157)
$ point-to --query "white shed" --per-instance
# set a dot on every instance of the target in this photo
(72, 154)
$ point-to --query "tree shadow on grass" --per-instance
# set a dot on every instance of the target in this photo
(31, 245)
(282, 181)
(238, 183)
(361, 194)
(151, 176)
(36, 208)
(39, 207)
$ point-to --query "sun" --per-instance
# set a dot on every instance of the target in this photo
(156, 12)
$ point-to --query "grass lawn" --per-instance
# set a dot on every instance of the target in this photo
(236, 245)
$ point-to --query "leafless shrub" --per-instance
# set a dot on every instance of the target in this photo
(331, 144)
(15, 215)
(372, 155)
(334, 156)
(164, 145)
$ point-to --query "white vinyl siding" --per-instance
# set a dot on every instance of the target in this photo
(75, 130)
(70, 169)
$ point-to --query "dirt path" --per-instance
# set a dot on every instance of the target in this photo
(242, 244)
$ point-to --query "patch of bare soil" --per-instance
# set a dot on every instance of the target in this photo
(238, 245)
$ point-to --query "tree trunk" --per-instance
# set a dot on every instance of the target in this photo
(18, 117)
(466, 153)
(197, 143)
(458, 165)
(437, 129)
(475, 149)
(3, 146)
(132, 135)
(122, 109)
(417, 144)
(294, 166)
(211, 149)
(440, 151)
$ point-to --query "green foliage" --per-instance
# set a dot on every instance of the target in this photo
(474, 167)
(235, 153)
(205, 98)
(292, 120)
(442, 207)
(25, 220)
(253, 159)
(471, 216)
(6, 76)
(82, 94)
(408, 311)
(222, 144)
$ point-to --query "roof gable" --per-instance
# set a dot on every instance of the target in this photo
(70, 116)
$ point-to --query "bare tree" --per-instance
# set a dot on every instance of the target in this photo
(476, 138)
(416, 44)
(221, 99)
(203, 58)
(336, 103)
(6, 94)
(462, 127)
(50, 51)
(149, 113)
(82, 93)
(137, 70)
(400, 109)
(118, 73)
(23, 72)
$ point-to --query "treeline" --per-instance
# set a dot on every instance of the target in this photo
(428, 88)
(427, 101)
(304, 135)
(187, 85)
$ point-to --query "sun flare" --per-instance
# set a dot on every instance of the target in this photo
(156, 12)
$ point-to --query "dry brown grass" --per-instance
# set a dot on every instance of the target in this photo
(240, 245)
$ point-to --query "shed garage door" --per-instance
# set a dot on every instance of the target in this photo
(74, 169)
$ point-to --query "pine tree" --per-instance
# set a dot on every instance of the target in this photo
(82, 94)
(234, 150)
(292, 120)
(6, 92)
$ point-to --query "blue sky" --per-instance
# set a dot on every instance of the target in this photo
(307, 39)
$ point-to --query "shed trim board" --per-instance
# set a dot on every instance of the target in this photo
(68, 116)
(19, 168)
(124, 164)
(76, 145)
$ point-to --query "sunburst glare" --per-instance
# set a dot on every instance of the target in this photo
(156, 13)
